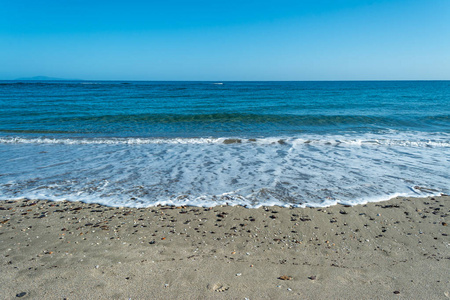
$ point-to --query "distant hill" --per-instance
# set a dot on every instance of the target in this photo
(43, 78)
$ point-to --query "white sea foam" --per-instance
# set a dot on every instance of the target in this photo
(301, 171)
(407, 140)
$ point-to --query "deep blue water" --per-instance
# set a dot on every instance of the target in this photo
(204, 109)
(202, 143)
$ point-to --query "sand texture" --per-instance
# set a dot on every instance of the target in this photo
(397, 249)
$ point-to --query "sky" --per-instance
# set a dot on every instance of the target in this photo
(226, 40)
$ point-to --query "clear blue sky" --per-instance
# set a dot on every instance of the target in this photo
(226, 40)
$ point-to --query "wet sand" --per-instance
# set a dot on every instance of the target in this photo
(397, 249)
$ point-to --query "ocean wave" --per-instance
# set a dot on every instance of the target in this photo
(212, 201)
(301, 120)
(286, 141)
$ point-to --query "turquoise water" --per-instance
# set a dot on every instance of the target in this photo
(203, 143)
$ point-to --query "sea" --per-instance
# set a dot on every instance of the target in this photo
(141, 144)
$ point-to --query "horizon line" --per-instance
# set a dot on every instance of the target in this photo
(178, 80)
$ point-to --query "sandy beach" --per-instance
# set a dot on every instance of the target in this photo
(396, 249)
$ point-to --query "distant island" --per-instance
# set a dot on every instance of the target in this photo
(44, 78)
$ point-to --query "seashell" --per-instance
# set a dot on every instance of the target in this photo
(220, 288)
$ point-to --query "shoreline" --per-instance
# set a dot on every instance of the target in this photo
(392, 249)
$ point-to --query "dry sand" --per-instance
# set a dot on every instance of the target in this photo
(397, 249)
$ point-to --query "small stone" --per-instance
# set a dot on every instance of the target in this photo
(444, 224)
(20, 295)
(285, 277)
(313, 277)
(396, 292)
(289, 289)
(238, 274)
